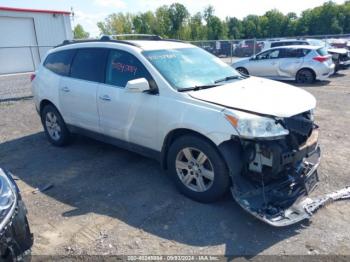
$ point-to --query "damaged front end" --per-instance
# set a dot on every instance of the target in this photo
(276, 176)
(15, 236)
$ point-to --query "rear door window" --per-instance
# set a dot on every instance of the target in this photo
(123, 67)
(60, 62)
(89, 64)
(295, 53)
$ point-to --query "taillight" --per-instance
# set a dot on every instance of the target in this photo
(32, 77)
(321, 59)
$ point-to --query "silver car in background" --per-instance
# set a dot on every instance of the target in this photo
(301, 63)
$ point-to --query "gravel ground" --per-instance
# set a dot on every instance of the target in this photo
(109, 201)
(15, 87)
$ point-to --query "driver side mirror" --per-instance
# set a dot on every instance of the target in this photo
(253, 57)
(137, 85)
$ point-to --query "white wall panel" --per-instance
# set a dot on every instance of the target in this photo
(23, 32)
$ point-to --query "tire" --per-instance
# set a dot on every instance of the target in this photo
(204, 177)
(242, 71)
(337, 67)
(54, 126)
(305, 76)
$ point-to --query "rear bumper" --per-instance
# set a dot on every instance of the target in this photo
(344, 64)
(326, 73)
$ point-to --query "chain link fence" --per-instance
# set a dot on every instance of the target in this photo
(18, 59)
(231, 50)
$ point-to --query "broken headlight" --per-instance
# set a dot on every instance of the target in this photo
(7, 199)
(253, 126)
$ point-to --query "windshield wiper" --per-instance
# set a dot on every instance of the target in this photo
(228, 78)
(196, 88)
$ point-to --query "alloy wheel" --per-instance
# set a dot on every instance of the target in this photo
(305, 77)
(52, 126)
(194, 169)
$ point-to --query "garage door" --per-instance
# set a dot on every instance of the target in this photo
(17, 37)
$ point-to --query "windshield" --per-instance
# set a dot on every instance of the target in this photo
(189, 67)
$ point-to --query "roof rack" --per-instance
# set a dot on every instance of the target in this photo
(102, 39)
(110, 38)
(144, 36)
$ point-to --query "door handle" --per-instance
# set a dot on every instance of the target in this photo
(105, 98)
(65, 89)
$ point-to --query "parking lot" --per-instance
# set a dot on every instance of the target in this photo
(105, 200)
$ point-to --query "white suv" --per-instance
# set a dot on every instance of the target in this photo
(210, 127)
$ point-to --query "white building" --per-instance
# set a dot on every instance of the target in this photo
(27, 34)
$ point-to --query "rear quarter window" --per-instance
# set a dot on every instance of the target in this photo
(60, 62)
(322, 51)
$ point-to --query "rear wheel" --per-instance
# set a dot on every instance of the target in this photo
(243, 71)
(54, 125)
(305, 76)
(197, 169)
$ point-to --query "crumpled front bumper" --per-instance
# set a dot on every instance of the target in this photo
(295, 213)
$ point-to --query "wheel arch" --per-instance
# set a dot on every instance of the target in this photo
(222, 149)
(242, 67)
(172, 136)
(307, 68)
(44, 103)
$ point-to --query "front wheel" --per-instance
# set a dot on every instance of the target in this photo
(198, 170)
(243, 71)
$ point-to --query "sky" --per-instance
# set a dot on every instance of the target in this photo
(89, 12)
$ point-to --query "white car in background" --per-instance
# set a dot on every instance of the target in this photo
(304, 64)
(211, 128)
(340, 54)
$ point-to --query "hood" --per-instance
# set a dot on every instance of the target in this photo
(258, 95)
(338, 50)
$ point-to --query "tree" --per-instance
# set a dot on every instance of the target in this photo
(175, 21)
(274, 25)
(234, 27)
(251, 26)
(178, 15)
(116, 24)
(197, 29)
(163, 23)
(79, 32)
(216, 29)
(144, 23)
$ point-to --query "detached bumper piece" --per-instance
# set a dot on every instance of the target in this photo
(16, 238)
